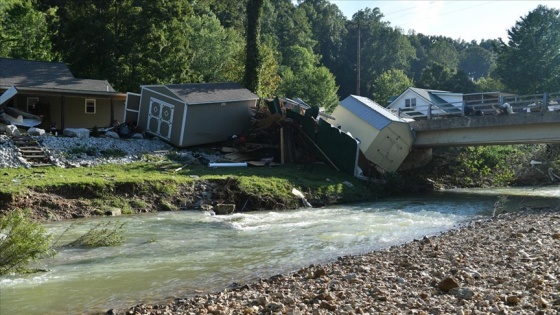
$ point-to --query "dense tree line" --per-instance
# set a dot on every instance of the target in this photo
(307, 50)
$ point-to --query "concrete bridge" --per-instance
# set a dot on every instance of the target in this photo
(516, 128)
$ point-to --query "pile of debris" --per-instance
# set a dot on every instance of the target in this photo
(284, 131)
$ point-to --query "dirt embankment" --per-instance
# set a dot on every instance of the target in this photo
(70, 202)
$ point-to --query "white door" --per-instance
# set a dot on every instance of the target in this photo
(160, 118)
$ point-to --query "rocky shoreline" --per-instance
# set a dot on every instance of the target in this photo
(509, 264)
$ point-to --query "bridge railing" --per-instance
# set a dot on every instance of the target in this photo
(431, 111)
(488, 106)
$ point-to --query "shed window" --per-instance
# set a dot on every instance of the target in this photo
(90, 106)
(410, 102)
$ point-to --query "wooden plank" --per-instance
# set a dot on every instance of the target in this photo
(35, 156)
(229, 149)
(261, 163)
(238, 156)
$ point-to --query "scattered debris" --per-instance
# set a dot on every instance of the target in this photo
(299, 194)
(553, 177)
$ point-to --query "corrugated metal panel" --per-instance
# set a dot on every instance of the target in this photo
(340, 147)
(369, 111)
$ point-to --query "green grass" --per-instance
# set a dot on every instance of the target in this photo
(161, 178)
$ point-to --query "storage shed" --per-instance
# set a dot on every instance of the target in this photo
(192, 114)
(385, 139)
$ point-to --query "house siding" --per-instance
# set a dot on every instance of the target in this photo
(50, 108)
(76, 117)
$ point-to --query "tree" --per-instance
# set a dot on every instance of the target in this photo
(285, 26)
(389, 84)
(434, 77)
(477, 62)
(254, 12)
(269, 80)
(303, 77)
(382, 48)
(440, 77)
(24, 32)
(530, 62)
(444, 53)
(489, 84)
(215, 57)
(128, 42)
(328, 27)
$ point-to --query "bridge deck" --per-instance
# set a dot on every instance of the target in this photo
(531, 127)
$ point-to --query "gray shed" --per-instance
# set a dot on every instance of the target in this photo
(192, 114)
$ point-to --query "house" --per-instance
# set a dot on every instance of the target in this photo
(191, 114)
(421, 103)
(416, 102)
(49, 90)
(385, 139)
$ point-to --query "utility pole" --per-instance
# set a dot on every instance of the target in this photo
(358, 61)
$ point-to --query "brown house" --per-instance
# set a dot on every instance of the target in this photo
(49, 89)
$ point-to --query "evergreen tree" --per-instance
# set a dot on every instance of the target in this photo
(530, 62)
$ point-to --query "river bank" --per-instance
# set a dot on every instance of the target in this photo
(508, 264)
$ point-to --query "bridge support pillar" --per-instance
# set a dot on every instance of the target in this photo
(416, 158)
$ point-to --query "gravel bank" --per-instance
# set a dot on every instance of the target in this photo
(506, 265)
(84, 152)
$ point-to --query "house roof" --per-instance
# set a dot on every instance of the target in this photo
(51, 76)
(432, 95)
(204, 93)
(369, 111)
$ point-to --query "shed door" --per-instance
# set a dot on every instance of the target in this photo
(160, 118)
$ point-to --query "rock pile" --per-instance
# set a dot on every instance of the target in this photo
(91, 151)
(505, 265)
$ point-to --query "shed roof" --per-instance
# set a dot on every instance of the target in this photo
(369, 111)
(46, 76)
(204, 93)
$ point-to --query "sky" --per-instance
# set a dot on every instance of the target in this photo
(459, 19)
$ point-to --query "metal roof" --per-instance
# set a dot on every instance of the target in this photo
(43, 75)
(369, 111)
(204, 93)
(431, 95)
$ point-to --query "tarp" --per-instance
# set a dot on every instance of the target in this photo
(7, 95)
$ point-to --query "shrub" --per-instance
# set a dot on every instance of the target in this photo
(101, 235)
(491, 165)
(21, 241)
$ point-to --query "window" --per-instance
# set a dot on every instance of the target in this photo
(410, 102)
(30, 102)
(90, 106)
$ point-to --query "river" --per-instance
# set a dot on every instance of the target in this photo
(175, 254)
